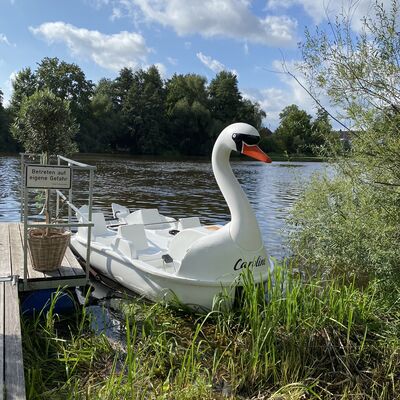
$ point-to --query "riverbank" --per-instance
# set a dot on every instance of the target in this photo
(311, 339)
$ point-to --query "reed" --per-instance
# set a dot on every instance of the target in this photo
(305, 339)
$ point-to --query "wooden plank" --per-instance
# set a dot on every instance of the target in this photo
(74, 263)
(5, 261)
(14, 369)
(66, 269)
(17, 251)
(2, 319)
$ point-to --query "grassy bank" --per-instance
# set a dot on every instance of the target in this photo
(314, 339)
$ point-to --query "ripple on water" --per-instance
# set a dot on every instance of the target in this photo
(178, 189)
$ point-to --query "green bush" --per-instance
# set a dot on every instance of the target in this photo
(346, 227)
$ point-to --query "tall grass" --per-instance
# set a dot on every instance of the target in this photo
(305, 339)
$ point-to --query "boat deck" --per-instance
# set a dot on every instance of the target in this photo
(70, 274)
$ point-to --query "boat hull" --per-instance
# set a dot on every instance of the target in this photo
(133, 275)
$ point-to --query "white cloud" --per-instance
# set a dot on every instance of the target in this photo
(7, 88)
(213, 64)
(246, 48)
(3, 39)
(162, 69)
(116, 14)
(320, 10)
(287, 91)
(123, 49)
(271, 100)
(97, 3)
(210, 63)
(210, 18)
(172, 61)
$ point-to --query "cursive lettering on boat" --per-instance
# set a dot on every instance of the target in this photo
(256, 262)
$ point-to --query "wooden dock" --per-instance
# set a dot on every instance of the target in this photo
(70, 274)
(12, 380)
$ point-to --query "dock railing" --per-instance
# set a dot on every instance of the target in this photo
(85, 220)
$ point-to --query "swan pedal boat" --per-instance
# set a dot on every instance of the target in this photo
(161, 258)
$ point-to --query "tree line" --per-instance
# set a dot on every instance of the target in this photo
(140, 113)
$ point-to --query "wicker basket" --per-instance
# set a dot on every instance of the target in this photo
(48, 250)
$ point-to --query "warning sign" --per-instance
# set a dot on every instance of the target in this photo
(47, 177)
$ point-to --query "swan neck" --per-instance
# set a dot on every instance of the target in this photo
(244, 228)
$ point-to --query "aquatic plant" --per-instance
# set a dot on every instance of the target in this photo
(314, 339)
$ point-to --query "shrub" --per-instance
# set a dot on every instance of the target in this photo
(346, 227)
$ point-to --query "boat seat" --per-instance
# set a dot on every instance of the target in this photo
(131, 241)
(181, 243)
(119, 212)
(147, 216)
(99, 228)
(135, 234)
(189, 222)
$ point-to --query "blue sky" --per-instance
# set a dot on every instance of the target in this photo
(248, 37)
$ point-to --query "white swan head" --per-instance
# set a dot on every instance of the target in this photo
(243, 138)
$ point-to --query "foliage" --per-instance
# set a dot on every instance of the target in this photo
(188, 114)
(294, 129)
(44, 124)
(24, 85)
(6, 141)
(352, 223)
(66, 81)
(309, 339)
(363, 73)
(143, 112)
(140, 113)
(347, 228)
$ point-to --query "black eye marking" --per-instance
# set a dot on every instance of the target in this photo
(240, 138)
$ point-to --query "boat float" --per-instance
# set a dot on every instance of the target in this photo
(160, 257)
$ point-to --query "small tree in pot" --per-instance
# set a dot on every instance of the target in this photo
(44, 125)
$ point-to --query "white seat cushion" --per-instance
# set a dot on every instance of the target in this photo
(144, 216)
(189, 222)
(135, 234)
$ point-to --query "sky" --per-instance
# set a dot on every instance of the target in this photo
(250, 38)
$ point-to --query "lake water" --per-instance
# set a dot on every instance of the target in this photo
(179, 189)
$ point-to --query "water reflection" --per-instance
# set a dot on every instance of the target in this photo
(179, 189)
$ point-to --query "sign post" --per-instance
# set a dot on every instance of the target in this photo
(47, 177)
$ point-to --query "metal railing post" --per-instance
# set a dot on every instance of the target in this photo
(25, 191)
(21, 211)
(70, 193)
(57, 196)
(89, 230)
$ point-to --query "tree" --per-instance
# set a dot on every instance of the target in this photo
(7, 143)
(143, 111)
(295, 129)
(45, 124)
(251, 113)
(359, 74)
(66, 81)
(351, 223)
(24, 85)
(225, 97)
(188, 114)
(121, 87)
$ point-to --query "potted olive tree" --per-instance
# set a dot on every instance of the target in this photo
(44, 125)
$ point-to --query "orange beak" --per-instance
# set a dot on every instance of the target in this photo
(255, 152)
